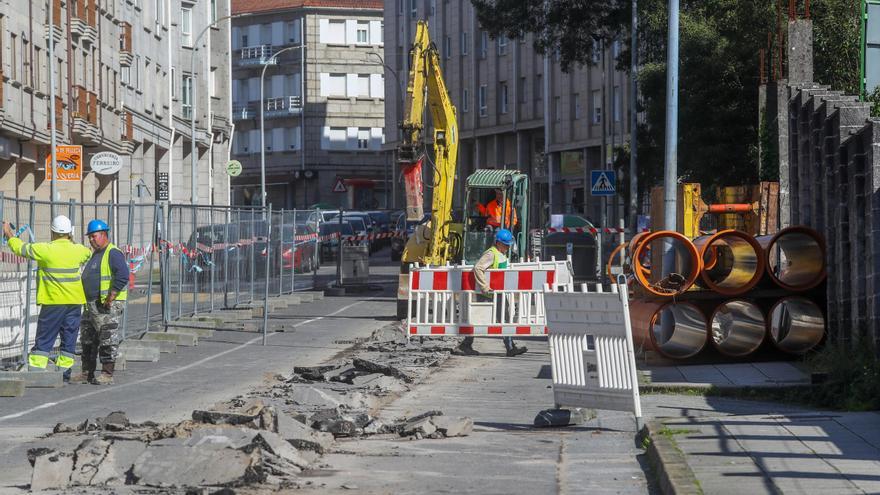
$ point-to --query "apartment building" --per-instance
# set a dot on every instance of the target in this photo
(123, 84)
(505, 105)
(320, 64)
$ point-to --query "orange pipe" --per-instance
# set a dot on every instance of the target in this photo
(643, 274)
(733, 262)
(795, 258)
(617, 250)
(731, 208)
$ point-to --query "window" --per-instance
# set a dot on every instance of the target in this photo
(363, 138)
(502, 45)
(336, 32)
(186, 90)
(173, 79)
(576, 106)
(615, 103)
(186, 25)
(466, 101)
(292, 138)
(126, 75)
(597, 107)
(596, 54)
(38, 79)
(363, 33)
(400, 6)
(158, 14)
(522, 90)
(413, 9)
(557, 109)
(363, 86)
(464, 43)
(213, 10)
(481, 100)
(447, 47)
(615, 48)
(212, 82)
(293, 32)
(336, 138)
(502, 97)
(136, 77)
(333, 85)
(484, 43)
(539, 87)
(13, 43)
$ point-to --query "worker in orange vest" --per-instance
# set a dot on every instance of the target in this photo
(492, 212)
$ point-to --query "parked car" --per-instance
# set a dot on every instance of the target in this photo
(407, 227)
(382, 223)
(328, 243)
(360, 228)
(299, 255)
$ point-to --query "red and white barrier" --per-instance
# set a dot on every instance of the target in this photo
(444, 301)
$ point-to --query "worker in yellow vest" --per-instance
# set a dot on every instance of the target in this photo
(59, 291)
(493, 258)
(104, 280)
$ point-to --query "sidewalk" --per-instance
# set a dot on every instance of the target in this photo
(720, 446)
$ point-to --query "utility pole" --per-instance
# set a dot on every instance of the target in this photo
(670, 171)
(52, 122)
(633, 119)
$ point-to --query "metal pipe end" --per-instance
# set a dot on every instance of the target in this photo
(733, 262)
(796, 325)
(795, 258)
(737, 328)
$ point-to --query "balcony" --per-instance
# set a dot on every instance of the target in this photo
(286, 106)
(85, 116)
(244, 112)
(83, 20)
(125, 56)
(257, 55)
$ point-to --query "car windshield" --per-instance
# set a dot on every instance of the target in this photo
(356, 223)
(380, 217)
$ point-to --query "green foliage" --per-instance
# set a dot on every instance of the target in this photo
(836, 40)
(769, 150)
(853, 378)
(874, 98)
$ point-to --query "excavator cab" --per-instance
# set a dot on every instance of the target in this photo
(495, 199)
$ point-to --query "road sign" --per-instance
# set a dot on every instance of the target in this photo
(233, 168)
(68, 161)
(105, 163)
(339, 186)
(162, 188)
(603, 182)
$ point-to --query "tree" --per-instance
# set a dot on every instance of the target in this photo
(836, 40)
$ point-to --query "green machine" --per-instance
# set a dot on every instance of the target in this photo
(480, 190)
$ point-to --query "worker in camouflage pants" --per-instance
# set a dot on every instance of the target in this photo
(105, 280)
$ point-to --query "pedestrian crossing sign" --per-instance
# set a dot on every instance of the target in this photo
(603, 183)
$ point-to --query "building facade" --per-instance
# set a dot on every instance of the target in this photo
(123, 84)
(323, 102)
(507, 98)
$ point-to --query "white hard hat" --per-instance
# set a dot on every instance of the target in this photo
(62, 225)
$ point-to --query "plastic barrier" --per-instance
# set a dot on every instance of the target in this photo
(443, 300)
(591, 349)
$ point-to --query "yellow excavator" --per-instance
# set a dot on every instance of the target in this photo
(435, 240)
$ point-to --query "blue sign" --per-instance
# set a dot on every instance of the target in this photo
(603, 183)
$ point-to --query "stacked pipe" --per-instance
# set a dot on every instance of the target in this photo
(728, 290)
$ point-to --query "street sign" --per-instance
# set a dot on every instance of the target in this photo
(68, 161)
(603, 182)
(105, 163)
(162, 188)
(233, 168)
(339, 186)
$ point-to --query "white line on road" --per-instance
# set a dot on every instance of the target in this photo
(169, 372)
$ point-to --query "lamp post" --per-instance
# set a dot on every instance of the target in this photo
(400, 93)
(274, 61)
(194, 103)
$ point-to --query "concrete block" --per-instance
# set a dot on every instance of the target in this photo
(181, 339)
(35, 379)
(169, 466)
(120, 457)
(307, 297)
(11, 387)
(140, 351)
(423, 427)
(87, 459)
(301, 435)
(51, 471)
(198, 332)
(453, 427)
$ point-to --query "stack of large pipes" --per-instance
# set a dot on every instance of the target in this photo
(728, 290)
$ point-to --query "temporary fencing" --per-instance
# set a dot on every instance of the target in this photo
(444, 300)
(591, 348)
(587, 247)
(183, 259)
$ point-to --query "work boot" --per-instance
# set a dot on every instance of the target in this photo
(516, 351)
(84, 376)
(465, 350)
(106, 375)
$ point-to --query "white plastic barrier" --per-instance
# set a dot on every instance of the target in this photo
(591, 349)
(443, 300)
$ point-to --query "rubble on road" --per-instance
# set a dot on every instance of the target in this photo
(268, 438)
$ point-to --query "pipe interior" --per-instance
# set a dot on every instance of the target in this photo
(678, 253)
(796, 325)
(796, 259)
(738, 328)
(735, 262)
(679, 330)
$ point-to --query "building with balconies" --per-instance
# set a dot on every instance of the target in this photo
(318, 74)
(123, 84)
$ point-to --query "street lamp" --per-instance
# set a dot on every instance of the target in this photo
(400, 93)
(274, 61)
(194, 102)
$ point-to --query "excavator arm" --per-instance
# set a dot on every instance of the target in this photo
(425, 84)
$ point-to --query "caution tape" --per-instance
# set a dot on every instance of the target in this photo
(589, 230)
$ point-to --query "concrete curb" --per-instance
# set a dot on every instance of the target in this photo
(671, 470)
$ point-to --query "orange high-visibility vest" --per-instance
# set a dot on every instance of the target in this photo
(493, 211)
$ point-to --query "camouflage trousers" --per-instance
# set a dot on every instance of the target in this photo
(99, 333)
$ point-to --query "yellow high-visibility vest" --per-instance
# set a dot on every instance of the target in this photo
(58, 269)
(107, 275)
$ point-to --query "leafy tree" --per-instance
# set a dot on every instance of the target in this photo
(836, 40)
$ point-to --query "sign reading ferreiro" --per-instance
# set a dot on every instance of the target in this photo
(105, 163)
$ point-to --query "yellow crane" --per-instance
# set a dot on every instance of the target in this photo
(431, 243)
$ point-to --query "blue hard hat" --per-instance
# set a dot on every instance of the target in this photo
(504, 236)
(97, 226)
